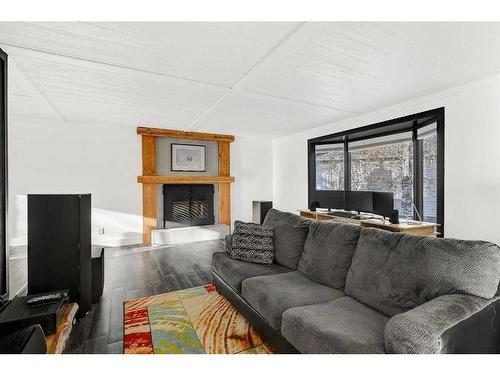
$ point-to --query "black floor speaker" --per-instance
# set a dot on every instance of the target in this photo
(259, 210)
(59, 246)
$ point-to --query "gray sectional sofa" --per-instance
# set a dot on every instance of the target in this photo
(337, 288)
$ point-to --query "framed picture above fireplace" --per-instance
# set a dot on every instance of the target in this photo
(188, 158)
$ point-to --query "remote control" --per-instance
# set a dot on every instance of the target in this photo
(43, 300)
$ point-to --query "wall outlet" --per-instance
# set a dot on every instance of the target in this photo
(100, 231)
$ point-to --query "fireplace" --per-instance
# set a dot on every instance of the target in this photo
(188, 204)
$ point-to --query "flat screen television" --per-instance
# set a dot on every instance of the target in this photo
(4, 284)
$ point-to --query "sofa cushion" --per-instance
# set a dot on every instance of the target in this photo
(252, 243)
(290, 232)
(394, 272)
(233, 271)
(272, 295)
(290, 244)
(328, 252)
(340, 326)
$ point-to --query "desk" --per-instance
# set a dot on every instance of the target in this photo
(422, 229)
(57, 341)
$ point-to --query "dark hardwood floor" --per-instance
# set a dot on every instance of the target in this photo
(132, 272)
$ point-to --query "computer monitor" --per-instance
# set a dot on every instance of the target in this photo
(361, 201)
(328, 198)
(383, 203)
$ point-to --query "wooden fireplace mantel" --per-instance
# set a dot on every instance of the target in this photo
(155, 132)
(150, 179)
(184, 179)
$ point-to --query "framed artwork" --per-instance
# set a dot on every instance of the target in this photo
(188, 158)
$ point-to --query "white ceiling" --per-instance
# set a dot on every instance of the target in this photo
(268, 79)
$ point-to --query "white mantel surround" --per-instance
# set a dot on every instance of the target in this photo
(172, 236)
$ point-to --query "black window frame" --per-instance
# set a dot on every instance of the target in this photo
(4, 243)
(410, 123)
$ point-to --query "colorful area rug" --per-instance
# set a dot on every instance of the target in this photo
(196, 320)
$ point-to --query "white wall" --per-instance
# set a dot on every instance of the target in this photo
(53, 156)
(472, 157)
(252, 166)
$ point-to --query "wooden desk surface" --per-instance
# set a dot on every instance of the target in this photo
(422, 229)
(321, 216)
(57, 341)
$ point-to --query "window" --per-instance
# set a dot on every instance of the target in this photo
(404, 156)
(329, 167)
(385, 164)
(428, 137)
(4, 251)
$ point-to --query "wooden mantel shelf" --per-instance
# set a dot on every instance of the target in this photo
(154, 132)
(184, 179)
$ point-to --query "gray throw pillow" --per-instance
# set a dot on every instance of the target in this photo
(252, 243)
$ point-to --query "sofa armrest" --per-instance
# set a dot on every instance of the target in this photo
(420, 329)
(229, 247)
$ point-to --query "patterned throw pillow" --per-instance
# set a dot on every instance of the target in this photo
(252, 243)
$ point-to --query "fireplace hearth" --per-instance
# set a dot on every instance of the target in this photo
(188, 204)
